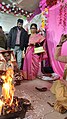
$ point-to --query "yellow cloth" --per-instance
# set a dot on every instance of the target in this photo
(60, 90)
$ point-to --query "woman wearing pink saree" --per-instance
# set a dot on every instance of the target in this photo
(31, 61)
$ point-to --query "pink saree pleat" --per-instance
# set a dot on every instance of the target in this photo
(31, 60)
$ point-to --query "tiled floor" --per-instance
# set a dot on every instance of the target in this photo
(41, 110)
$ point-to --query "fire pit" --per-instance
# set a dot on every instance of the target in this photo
(17, 109)
(14, 115)
(11, 106)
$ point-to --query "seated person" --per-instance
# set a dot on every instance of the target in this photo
(7, 59)
(59, 87)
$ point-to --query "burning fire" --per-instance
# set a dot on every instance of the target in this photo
(7, 89)
(8, 102)
(1, 104)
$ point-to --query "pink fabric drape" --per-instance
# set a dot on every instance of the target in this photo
(53, 36)
(31, 60)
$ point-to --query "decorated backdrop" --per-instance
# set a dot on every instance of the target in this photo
(56, 25)
(54, 31)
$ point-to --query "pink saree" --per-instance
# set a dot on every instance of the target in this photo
(31, 60)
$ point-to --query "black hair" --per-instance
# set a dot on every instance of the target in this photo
(0, 27)
(20, 21)
(33, 24)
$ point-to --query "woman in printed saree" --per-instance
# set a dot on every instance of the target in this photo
(59, 87)
(32, 61)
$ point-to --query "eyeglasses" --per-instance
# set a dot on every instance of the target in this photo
(32, 28)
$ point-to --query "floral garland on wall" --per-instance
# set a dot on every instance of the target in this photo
(50, 3)
(63, 15)
(16, 11)
(44, 7)
(44, 14)
(46, 4)
(44, 17)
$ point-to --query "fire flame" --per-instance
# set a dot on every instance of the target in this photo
(1, 104)
(8, 88)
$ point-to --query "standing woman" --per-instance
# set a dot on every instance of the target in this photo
(31, 66)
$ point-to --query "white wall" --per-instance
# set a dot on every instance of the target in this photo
(7, 21)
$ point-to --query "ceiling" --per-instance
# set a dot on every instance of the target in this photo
(29, 5)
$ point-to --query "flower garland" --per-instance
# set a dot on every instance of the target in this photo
(44, 14)
(44, 17)
(9, 9)
(44, 7)
(50, 3)
(63, 15)
(60, 14)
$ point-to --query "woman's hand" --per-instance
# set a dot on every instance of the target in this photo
(63, 39)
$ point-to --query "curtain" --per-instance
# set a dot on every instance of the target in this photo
(54, 32)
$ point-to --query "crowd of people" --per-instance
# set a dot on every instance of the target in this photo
(19, 40)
